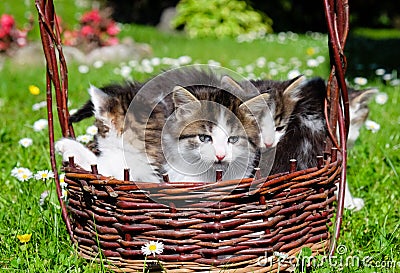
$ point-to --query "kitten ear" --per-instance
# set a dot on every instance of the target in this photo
(292, 93)
(185, 103)
(364, 97)
(256, 105)
(229, 84)
(99, 99)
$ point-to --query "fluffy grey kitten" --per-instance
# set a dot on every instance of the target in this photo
(208, 131)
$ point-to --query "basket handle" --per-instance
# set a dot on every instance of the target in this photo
(51, 40)
(337, 19)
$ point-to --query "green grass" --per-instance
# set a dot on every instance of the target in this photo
(373, 163)
(377, 33)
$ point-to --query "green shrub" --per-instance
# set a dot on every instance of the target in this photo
(219, 18)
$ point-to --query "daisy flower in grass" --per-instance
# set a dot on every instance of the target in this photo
(44, 175)
(152, 248)
(40, 124)
(372, 126)
(25, 142)
(381, 98)
(43, 197)
(21, 173)
(92, 130)
(63, 185)
(84, 138)
(24, 238)
(39, 105)
(360, 81)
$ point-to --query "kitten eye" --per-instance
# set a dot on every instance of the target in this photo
(279, 128)
(205, 138)
(233, 139)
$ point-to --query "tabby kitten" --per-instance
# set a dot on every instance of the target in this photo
(293, 123)
(208, 131)
(110, 108)
(359, 111)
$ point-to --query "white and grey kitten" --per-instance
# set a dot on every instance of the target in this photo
(208, 131)
(110, 106)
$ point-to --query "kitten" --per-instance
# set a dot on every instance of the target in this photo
(110, 108)
(308, 120)
(359, 111)
(208, 131)
(293, 123)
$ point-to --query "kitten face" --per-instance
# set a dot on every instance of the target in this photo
(209, 136)
(274, 119)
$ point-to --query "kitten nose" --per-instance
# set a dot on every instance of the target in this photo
(268, 145)
(220, 157)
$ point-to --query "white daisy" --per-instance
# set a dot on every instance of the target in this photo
(148, 68)
(22, 174)
(125, 71)
(155, 61)
(380, 72)
(64, 194)
(261, 62)
(320, 59)
(84, 138)
(184, 60)
(213, 63)
(152, 248)
(293, 74)
(92, 130)
(83, 69)
(98, 64)
(39, 105)
(25, 142)
(381, 98)
(249, 68)
(372, 126)
(360, 81)
(40, 124)
(43, 197)
(395, 82)
(387, 77)
(312, 63)
(44, 175)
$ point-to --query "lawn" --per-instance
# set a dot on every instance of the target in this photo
(371, 234)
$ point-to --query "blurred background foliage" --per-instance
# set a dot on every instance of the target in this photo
(373, 41)
(219, 18)
(297, 16)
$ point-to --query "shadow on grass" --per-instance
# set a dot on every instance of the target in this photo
(365, 55)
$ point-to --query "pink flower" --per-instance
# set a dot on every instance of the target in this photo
(7, 22)
(3, 33)
(112, 41)
(87, 30)
(91, 16)
(112, 29)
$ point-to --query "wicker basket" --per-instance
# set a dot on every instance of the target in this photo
(255, 219)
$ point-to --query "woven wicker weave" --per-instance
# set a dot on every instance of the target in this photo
(256, 217)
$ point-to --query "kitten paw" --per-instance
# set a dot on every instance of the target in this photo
(71, 148)
(355, 204)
